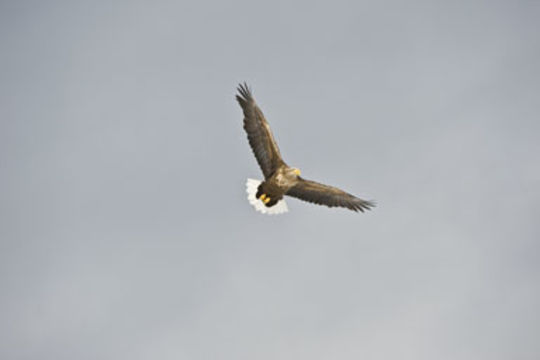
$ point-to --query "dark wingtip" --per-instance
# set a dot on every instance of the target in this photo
(364, 205)
(244, 91)
(369, 204)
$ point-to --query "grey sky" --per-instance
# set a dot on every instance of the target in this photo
(124, 228)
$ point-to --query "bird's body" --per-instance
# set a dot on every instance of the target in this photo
(281, 179)
(278, 184)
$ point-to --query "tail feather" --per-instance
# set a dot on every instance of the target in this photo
(252, 186)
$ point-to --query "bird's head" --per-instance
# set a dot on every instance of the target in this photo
(295, 171)
(290, 173)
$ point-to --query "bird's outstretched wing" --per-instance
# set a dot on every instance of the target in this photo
(259, 134)
(330, 196)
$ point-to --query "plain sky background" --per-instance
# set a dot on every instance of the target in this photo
(125, 231)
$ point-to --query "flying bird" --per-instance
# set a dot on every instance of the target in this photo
(279, 178)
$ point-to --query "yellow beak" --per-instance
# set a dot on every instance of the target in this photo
(297, 172)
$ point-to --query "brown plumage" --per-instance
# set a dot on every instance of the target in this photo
(281, 179)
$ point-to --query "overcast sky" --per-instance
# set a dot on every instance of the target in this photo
(125, 232)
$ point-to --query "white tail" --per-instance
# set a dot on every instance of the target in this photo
(252, 186)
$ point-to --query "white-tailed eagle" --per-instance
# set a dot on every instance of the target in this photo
(279, 178)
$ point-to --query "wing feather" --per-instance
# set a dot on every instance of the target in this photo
(259, 134)
(330, 196)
